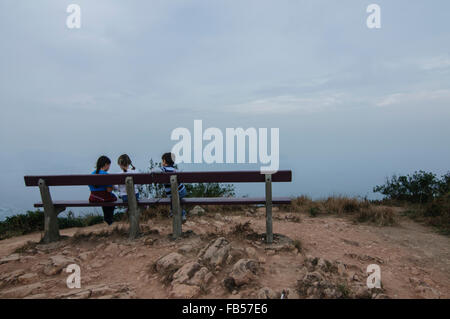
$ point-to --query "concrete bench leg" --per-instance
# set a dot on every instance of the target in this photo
(133, 209)
(269, 229)
(176, 207)
(51, 228)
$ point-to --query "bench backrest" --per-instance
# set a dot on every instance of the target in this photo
(159, 178)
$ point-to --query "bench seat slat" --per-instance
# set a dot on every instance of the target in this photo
(166, 201)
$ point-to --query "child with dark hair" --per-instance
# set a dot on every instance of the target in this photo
(124, 162)
(103, 193)
(168, 163)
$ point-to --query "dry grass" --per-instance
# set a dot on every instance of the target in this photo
(382, 216)
(360, 209)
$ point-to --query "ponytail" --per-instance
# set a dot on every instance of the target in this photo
(124, 160)
(101, 162)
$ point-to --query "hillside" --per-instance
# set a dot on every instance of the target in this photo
(222, 255)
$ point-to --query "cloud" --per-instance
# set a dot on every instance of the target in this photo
(288, 104)
(436, 63)
(412, 97)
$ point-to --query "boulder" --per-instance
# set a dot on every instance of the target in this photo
(215, 253)
(244, 272)
(186, 272)
(201, 278)
(169, 263)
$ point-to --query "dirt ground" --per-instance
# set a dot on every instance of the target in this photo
(414, 259)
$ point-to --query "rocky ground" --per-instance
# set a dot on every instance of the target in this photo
(223, 255)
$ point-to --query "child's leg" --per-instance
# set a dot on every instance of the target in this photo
(108, 214)
(183, 212)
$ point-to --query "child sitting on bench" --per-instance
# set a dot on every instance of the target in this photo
(103, 193)
(168, 162)
(124, 162)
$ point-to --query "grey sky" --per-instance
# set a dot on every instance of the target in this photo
(353, 105)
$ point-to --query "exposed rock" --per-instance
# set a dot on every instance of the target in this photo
(86, 255)
(235, 255)
(98, 264)
(12, 257)
(98, 291)
(201, 278)
(185, 249)
(251, 252)
(362, 292)
(149, 241)
(21, 291)
(10, 277)
(56, 264)
(169, 263)
(197, 210)
(215, 253)
(27, 278)
(186, 272)
(181, 291)
(244, 272)
(266, 293)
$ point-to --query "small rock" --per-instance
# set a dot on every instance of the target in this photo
(149, 241)
(185, 249)
(86, 255)
(27, 278)
(266, 293)
(56, 264)
(181, 291)
(197, 210)
(251, 252)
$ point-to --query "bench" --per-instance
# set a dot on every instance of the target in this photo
(53, 208)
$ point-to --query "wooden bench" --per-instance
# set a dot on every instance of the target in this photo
(53, 208)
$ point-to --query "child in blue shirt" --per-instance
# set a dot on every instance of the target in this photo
(167, 167)
(103, 193)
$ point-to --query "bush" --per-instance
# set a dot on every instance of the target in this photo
(33, 221)
(209, 190)
(420, 187)
(193, 190)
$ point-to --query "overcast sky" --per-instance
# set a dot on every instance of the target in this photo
(353, 105)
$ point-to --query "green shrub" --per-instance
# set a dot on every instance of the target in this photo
(420, 187)
(33, 221)
(193, 190)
